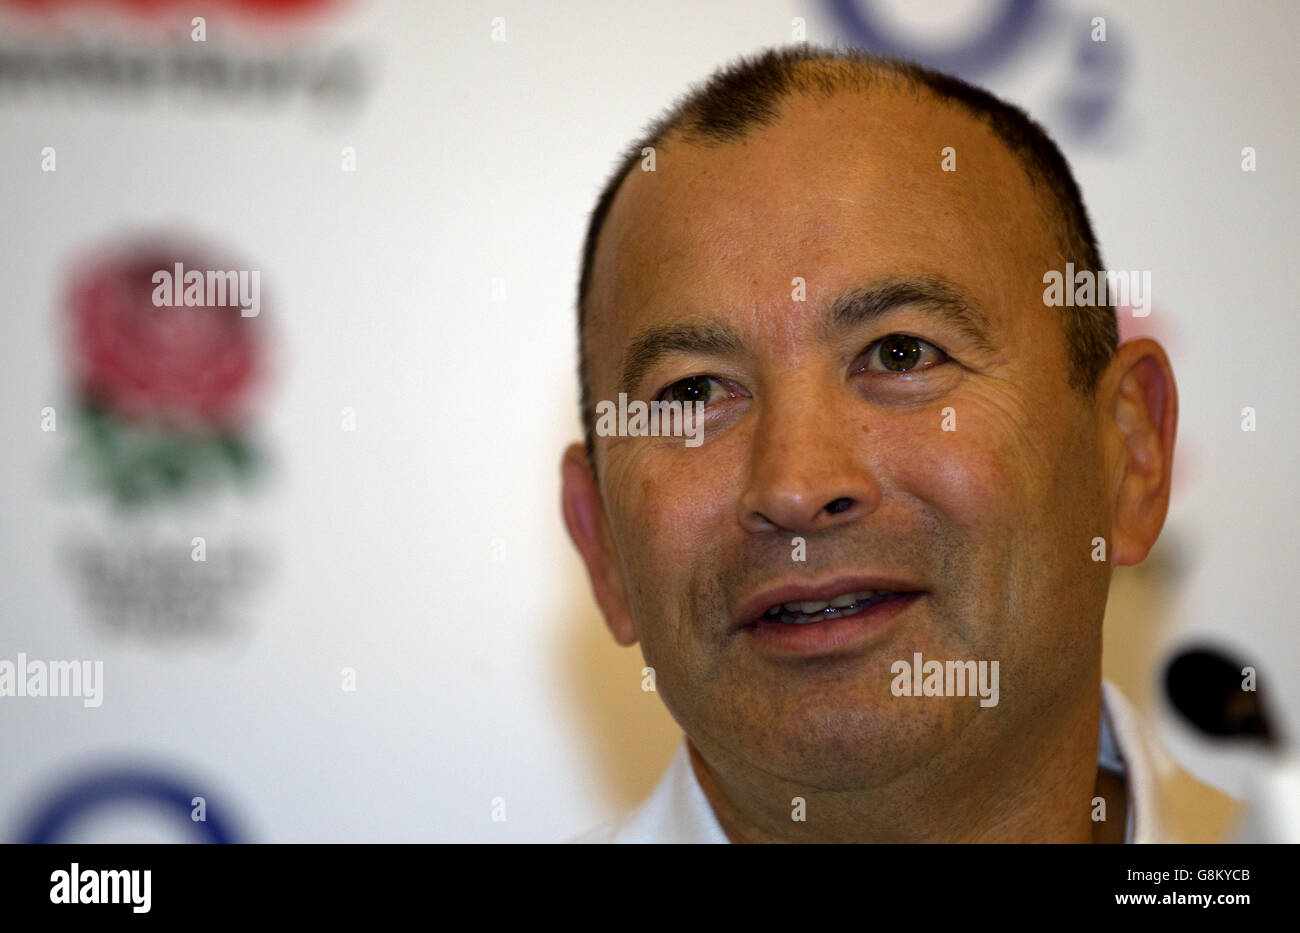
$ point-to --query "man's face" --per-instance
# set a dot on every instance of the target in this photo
(952, 463)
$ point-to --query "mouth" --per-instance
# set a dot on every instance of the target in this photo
(807, 619)
(810, 612)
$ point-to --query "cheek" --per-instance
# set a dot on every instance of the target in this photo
(969, 485)
(662, 503)
(991, 474)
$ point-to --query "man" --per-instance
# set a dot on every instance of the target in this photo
(910, 457)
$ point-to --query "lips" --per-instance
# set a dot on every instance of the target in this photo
(806, 613)
(805, 603)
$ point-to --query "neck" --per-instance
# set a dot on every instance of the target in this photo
(1039, 787)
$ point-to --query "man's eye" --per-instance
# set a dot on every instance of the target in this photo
(691, 389)
(902, 353)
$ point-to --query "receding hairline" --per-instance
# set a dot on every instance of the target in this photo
(699, 119)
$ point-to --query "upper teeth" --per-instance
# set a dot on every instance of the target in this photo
(839, 602)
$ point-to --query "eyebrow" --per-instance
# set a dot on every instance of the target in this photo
(928, 294)
(667, 339)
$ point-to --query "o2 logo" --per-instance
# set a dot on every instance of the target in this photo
(1083, 103)
(90, 796)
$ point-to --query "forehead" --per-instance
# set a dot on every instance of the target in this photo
(837, 191)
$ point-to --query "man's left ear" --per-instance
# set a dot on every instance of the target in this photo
(1138, 407)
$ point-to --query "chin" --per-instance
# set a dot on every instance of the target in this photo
(847, 746)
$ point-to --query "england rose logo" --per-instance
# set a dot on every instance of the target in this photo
(167, 357)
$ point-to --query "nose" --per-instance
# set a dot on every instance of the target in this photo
(808, 469)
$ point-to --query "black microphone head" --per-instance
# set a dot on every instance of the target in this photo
(1209, 689)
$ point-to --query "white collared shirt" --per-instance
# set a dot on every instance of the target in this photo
(678, 812)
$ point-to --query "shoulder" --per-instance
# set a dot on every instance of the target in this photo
(604, 834)
(675, 812)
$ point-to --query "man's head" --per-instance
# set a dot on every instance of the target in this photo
(890, 406)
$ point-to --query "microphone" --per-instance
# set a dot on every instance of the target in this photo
(1207, 687)
(1222, 699)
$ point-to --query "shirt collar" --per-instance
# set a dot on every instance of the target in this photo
(1141, 761)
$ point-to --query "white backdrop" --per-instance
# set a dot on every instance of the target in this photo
(424, 549)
